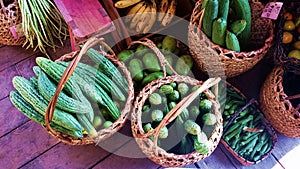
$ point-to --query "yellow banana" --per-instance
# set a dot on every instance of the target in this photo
(170, 13)
(131, 13)
(152, 19)
(138, 15)
(125, 3)
(143, 19)
(162, 9)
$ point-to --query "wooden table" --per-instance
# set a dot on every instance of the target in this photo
(26, 144)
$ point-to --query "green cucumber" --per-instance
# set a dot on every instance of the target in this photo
(125, 55)
(151, 77)
(210, 14)
(136, 69)
(238, 26)
(151, 62)
(218, 31)
(232, 43)
(223, 9)
(31, 95)
(22, 105)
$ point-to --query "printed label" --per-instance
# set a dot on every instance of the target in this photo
(272, 10)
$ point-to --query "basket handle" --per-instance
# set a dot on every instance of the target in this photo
(67, 74)
(177, 110)
(163, 62)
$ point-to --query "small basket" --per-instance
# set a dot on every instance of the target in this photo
(149, 147)
(104, 133)
(215, 60)
(281, 50)
(268, 126)
(277, 107)
(10, 16)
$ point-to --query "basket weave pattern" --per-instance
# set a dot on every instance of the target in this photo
(280, 113)
(10, 16)
(215, 59)
(103, 133)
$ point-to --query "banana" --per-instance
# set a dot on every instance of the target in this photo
(138, 15)
(170, 13)
(125, 3)
(133, 11)
(152, 18)
(162, 9)
(143, 19)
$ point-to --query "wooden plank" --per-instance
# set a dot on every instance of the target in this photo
(267, 163)
(24, 144)
(11, 55)
(129, 156)
(24, 68)
(217, 160)
(287, 151)
(10, 117)
(6, 81)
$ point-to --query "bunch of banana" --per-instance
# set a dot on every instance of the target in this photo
(144, 13)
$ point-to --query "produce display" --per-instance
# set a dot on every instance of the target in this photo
(191, 128)
(291, 34)
(144, 65)
(245, 129)
(90, 101)
(142, 14)
(227, 23)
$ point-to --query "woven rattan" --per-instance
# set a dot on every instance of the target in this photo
(215, 60)
(278, 110)
(149, 147)
(104, 133)
(10, 16)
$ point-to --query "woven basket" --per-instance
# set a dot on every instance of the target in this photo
(281, 50)
(10, 16)
(277, 107)
(149, 147)
(268, 126)
(104, 133)
(215, 60)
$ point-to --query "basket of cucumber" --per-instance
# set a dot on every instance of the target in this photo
(10, 16)
(166, 121)
(247, 135)
(229, 36)
(287, 42)
(280, 101)
(77, 102)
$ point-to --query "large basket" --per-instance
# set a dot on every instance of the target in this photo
(281, 50)
(149, 147)
(215, 60)
(10, 16)
(278, 110)
(103, 133)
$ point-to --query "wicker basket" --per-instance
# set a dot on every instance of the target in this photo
(10, 16)
(277, 107)
(216, 60)
(149, 147)
(104, 133)
(268, 126)
(281, 50)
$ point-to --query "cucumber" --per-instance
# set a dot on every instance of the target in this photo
(108, 68)
(151, 77)
(125, 55)
(232, 43)
(31, 95)
(218, 31)
(166, 89)
(100, 78)
(136, 69)
(47, 89)
(238, 26)
(223, 9)
(87, 125)
(23, 106)
(210, 14)
(243, 11)
(151, 62)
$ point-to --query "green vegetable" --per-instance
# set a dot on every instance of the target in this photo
(166, 89)
(210, 14)
(194, 112)
(147, 127)
(155, 99)
(183, 88)
(200, 147)
(192, 127)
(136, 69)
(205, 105)
(218, 31)
(223, 9)
(151, 63)
(107, 124)
(238, 26)
(184, 65)
(22, 105)
(169, 44)
(169, 59)
(98, 121)
(174, 96)
(173, 84)
(184, 114)
(232, 42)
(141, 50)
(125, 55)
(157, 115)
(209, 119)
(172, 105)
(163, 133)
(151, 77)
